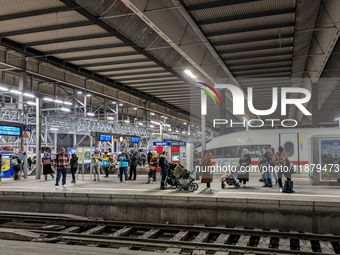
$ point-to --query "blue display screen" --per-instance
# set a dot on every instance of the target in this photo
(105, 138)
(10, 130)
(134, 140)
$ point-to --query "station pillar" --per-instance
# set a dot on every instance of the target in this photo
(315, 107)
(38, 137)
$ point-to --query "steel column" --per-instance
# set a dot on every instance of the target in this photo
(38, 138)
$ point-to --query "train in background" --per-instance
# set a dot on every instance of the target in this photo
(226, 149)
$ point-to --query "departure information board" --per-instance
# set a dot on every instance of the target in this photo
(10, 130)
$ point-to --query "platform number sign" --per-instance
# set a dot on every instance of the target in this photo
(26, 128)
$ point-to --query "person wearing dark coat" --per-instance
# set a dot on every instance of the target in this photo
(15, 163)
(205, 168)
(149, 157)
(74, 167)
(164, 165)
(47, 168)
(133, 167)
(244, 163)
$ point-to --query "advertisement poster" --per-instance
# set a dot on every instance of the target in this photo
(71, 151)
(80, 155)
(87, 155)
(330, 151)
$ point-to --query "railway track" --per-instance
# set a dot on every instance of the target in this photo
(167, 238)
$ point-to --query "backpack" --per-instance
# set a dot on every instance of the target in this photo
(14, 162)
(288, 187)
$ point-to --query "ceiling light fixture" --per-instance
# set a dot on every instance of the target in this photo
(28, 95)
(65, 109)
(16, 91)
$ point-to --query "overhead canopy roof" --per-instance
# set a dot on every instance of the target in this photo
(143, 47)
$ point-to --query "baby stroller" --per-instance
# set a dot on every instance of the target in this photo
(184, 179)
(229, 179)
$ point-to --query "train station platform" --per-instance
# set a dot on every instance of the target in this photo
(311, 209)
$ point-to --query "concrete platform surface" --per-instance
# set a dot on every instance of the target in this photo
(8, 247)
(111, 185)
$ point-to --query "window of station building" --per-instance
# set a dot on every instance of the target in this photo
(289, 148)
(236, 151)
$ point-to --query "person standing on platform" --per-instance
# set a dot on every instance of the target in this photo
(143, 158)
(281, 159)
(133, 166)
(61, 162)
(205, 168)
(47, 167)
(106, 164)
(264, 162)
(16, 163)
(29, 163)
(272, 153)
(244, 163)
(149, 157)
(74, 167)
(123, 160)
(96, 164)
(196, 164)
(153, 167)
(164, 165)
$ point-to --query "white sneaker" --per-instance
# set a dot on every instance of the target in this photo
(64, 186)
(281, 190)
(207, 189)
(56, 187)
(126, 181)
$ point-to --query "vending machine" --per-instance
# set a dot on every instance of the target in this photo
(178, 153)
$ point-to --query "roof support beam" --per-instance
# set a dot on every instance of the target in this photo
(48, 28)
(272, 61)
(147, 78)
(289, 52)
(253, 39)
(68, 39)
(138, 73)
(250, 29)
(102, 56)
(125, 68)
(246, 16)
(217, 4)
(256, 48)
(33, 13)
(130, 61)
(261, 68)
(96, 47)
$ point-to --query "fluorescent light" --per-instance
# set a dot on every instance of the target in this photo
(79, 92)
(183, 132)
(152, 113)
(190, 74)
(110, 118)
(90, 114)
(28, 94)
(67, 103)
(135, 109)
(154, 122)
(120, 104)
(31, 103)
(170, 129)
(152, 126)
(185, 123)
(88, 95)
(58, 101)
(15, 91)
(126, 121)
(162, 117)
(2, 88)
(165, 117)
(177, 131)
(48, 99)
(140, 124)
(54, 129)
(114, 102)
(65, 109)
